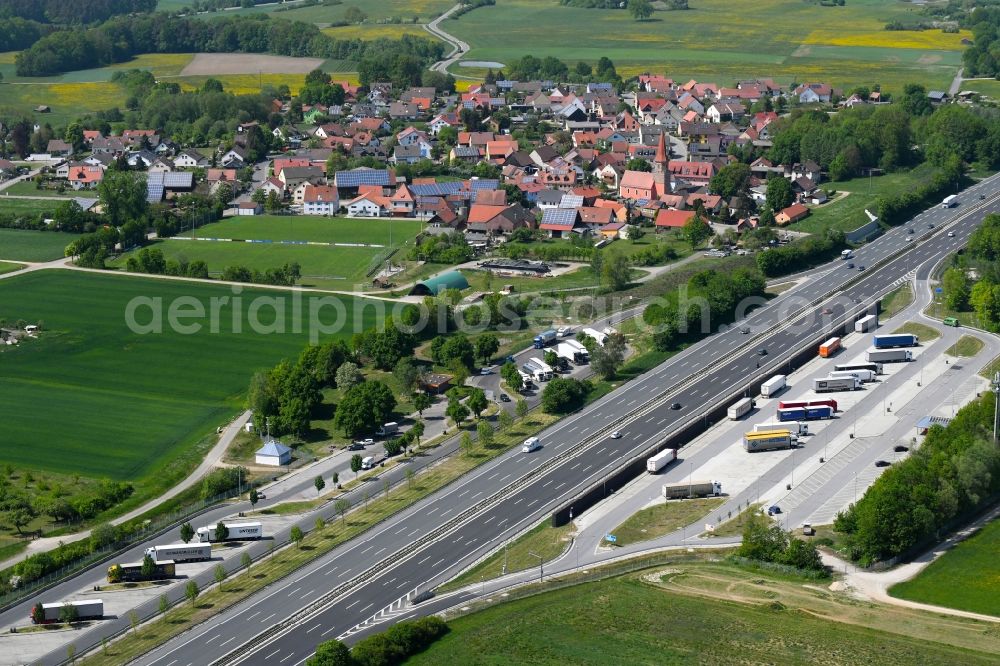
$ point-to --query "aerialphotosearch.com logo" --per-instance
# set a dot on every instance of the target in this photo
(319, 315)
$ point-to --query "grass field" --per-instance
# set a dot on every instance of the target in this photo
(967, 346)
(964, 577)
(663, 518)
(704, 614)
(21, 245)
(30, 207)
(785, 39)
(896, 301)
(7, 267)
(924, 332)
(324, 15)
(106, 401)
(322, 266)
(27, 188)
(847, 212)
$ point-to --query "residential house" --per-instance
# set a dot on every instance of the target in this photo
(467, 154)
(190, 159)
(793, 213)
(406, 155)
(320, 200)
(560, 221)
(596, 218)
(59, 148)
(442, 120)
(273, 185)
(699, 173)
(161, 165)
(404, 111)
(292, 177)
(723, 112)
(402, 202)
(813, 93)
(85, 176)
(245, 208)
(674, 219)
(414, 137)
(235, 158)
(369, 204)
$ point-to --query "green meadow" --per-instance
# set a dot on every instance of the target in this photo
(94, 397)
(18, 245)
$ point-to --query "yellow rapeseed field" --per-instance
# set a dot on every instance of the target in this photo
(892, 39)
(377, 31)
(161, 64)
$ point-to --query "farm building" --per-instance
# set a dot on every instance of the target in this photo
(273, 453)
(435, 285)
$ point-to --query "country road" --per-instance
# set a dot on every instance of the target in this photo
(459, 48)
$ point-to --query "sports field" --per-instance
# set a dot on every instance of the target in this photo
(93, 397)
(323, 266)
(965, 577)
(703, 614)
(720, 41)
(18, 245)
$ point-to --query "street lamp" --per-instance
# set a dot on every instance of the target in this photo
(541, 560)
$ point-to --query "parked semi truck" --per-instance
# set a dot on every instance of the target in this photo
(692, 489)
(864, 376)
(829, 384)
(888, 355)
(184, 552)
(89, 609)
(773, 386)
(237, 532)
(829, 402)
(866, 324)
(829, 348)
(545, 338)
(874, 367)
(805, 413)
(598, 337)
(768, 441)
(132, 571)
(896, 340)
(571, 353)
(740, 408)
(660, 460)
(795, 427)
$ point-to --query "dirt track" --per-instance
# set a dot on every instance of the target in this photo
(210, 64)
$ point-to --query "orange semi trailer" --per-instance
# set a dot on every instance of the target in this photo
(829, 348)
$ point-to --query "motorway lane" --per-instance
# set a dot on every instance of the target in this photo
(568, 432)
(480, 534)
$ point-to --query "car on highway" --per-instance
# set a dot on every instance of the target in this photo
(930, 225)
(773, 510)
(910, 230)
(951, 234)
(616, 435)
(882, 463)
(899, 448)
(861, 268)
(531, 444)
(826, 311)
(850, 264)
(908, 239)
(982, 196)
(761, 352)
(676, 405)
(504, 397)
(745, 330)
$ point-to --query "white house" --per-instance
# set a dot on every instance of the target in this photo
(365, 206)
(190, 159)
(320, 200)
(273, 453)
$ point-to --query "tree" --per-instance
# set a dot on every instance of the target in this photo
(123, 196)
(422, 401)
(342, 506)
(696, 230)
(69, 613)
(356, 464)
(521, 408)
(37, 613)
(615, 271)
(18, 512)
(487, 345)
(563, 395)
(296, 536)
(640, 9)
(956, 289)
(505, 420)
(355, 15)
(348, 375)
(187, 532)
(779, 193)
(331, 653)
(335, 479)
(465, 442)
(246, 561)
(219, 573)
(731, 180)
(409, 477)
(191, 591)
(133, 619)
(363, 407)
(456, 411)
(319, 483)
(393, 447)
(485, 432)
(638, 164)
(148, 569)
(406, 373)
(254, 497)
(221, 531)
(417, 431)
(550, 358)
(164, 604)
(477, 401)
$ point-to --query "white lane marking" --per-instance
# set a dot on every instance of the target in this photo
(309, 631)
(352, 605)
(249, 618)
(267, 618)
(273, 653)
(212, 638)
(229, 641)
(438, 562)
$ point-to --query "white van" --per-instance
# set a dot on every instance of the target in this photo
(531, 444)
(368, 462)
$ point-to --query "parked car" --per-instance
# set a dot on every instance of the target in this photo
(504, 397)
(356, 446)
(773, 510)
(882, 463)
(485, 371)
(899, 448)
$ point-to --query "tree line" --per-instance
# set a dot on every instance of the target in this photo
(124, 37)
(983, 57)
(387, 648)
(982, 259)
(800, 254)
(954, 473)
(76, 12)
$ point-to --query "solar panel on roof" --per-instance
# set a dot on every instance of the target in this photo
(436, 189)
(178, 179)
(154, 192)
(561, 216)
(155, 178)
(484, 184)
(362, 177)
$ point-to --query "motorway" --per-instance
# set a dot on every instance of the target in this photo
(414, 565)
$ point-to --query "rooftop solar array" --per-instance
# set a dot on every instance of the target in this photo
(561, 216)
(484, 184)
(358, 177)
(436, 189)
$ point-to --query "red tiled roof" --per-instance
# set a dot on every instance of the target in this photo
(673, 218)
